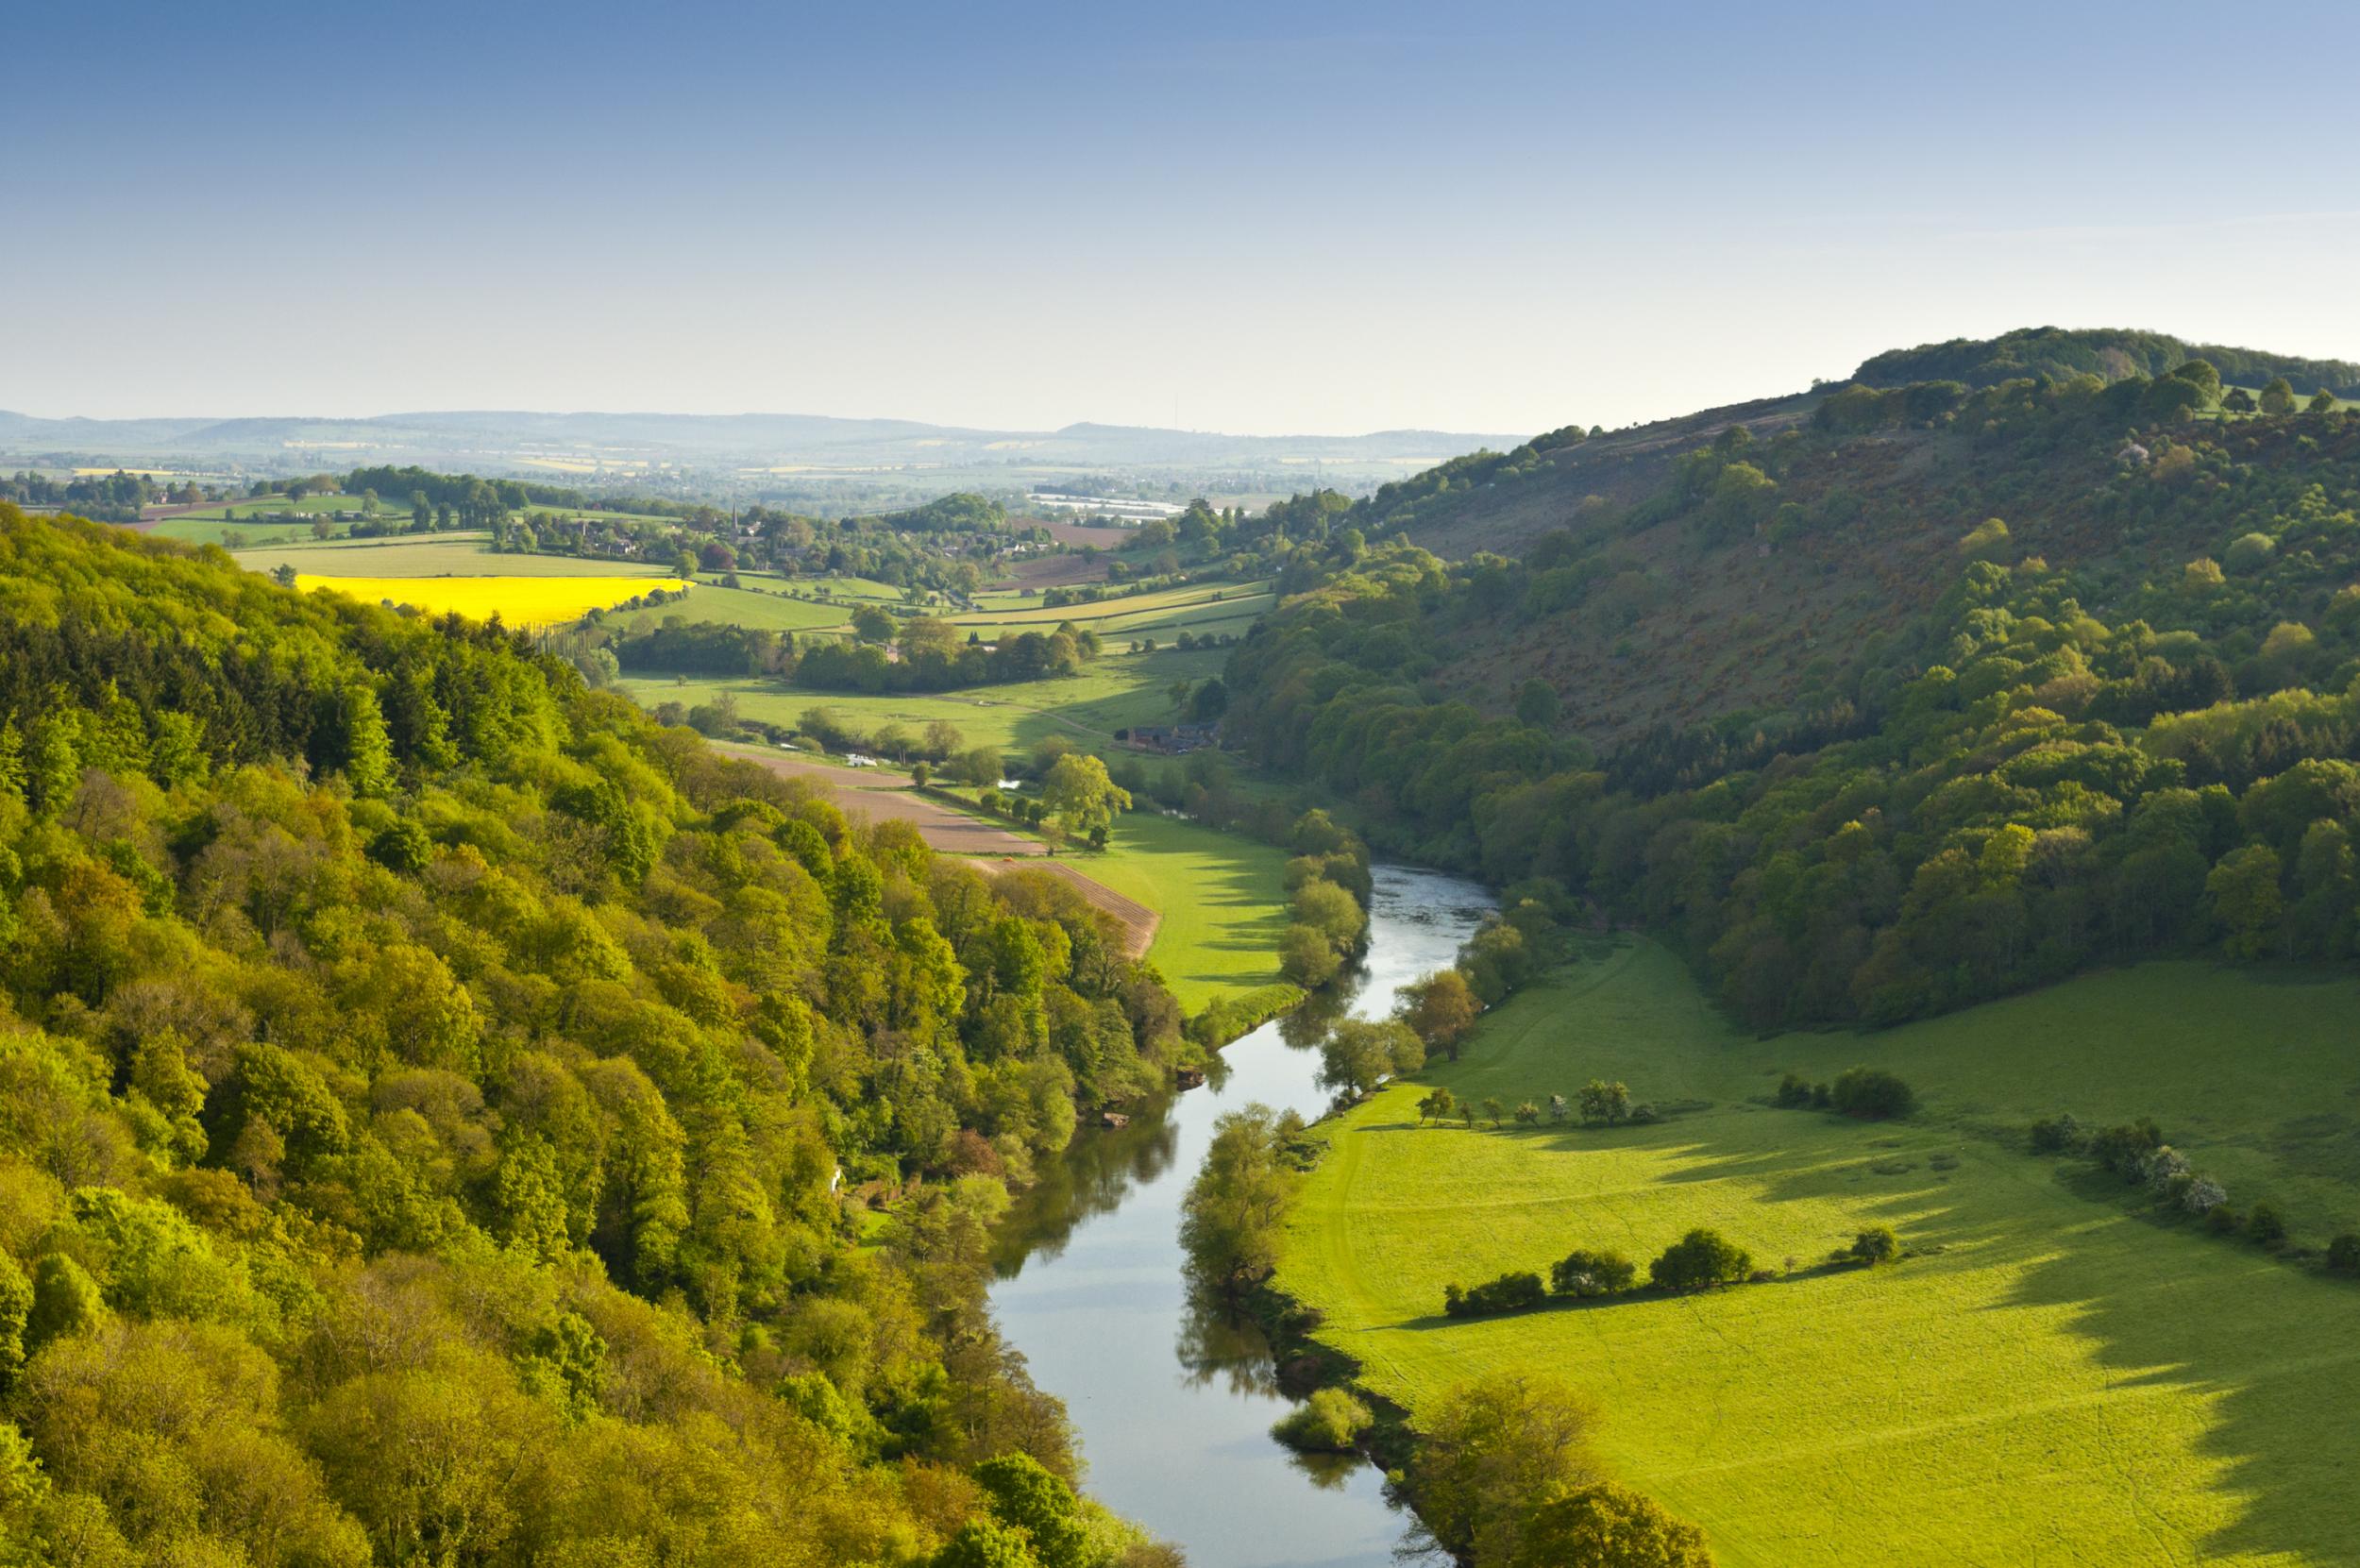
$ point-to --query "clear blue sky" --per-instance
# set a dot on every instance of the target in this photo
(1275, 217)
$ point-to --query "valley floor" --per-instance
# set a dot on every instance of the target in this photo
(2052, 1377)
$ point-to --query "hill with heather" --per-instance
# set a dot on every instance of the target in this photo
(1881, 701)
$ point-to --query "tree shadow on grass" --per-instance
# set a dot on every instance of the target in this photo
(2268, 1347)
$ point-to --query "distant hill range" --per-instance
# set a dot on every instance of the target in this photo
(517, 442)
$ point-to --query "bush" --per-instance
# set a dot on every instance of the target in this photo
(1330, 1422)
(2222, 1220)
(1794, 1092)
(1699, 1260)
(2124, 1149)
(1875, 1245)
(1871, 1094)
(1510, 1293)
(2343, 1253)
(2266, 1225)
(2055, 1135)
(1584, 1273)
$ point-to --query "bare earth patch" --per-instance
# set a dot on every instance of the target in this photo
(887, 798)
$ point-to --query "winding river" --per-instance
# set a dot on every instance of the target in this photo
(1173, 1413)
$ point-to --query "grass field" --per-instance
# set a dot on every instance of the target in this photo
(1222, 899)
(2054, 1379)
(519, 602)
(746, 607)
(1200, 608)
(1117, 691)
(213, 530)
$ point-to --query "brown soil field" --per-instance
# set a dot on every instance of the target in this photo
(1053, 571)
(889, 798)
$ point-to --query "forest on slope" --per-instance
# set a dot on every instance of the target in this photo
(425, 1084)
(1992, 690)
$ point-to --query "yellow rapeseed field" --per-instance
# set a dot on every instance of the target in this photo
(517, 600)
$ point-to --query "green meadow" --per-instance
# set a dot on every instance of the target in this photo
(1115, 691)
(2053, 1377)
(1222, 899)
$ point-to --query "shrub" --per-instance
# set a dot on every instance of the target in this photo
(1875, 1245)
(2203, 1196)
(1330, 1422)
(1821, 1097)
(1584, 1273)
(2343, 1253)
(1794, 1092)
(2124, 1149)
(2266, 1225)
(2222, 1220)
(1511, 1292)
(1871, 1094)
(2055, 1135)
(1698, 1260)
(1603, 1102)
(2251, 552)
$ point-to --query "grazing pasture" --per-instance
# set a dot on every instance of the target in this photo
(1115, 691)
(519, 602)
(1222, 899)
(2054, 1374)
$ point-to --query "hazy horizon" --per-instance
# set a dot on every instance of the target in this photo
(1309, 219)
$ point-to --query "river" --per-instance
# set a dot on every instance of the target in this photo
(1173, 1413)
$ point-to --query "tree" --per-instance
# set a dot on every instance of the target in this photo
(1306, 957)
(1081, 795)
(1877, 1245)
(985, 1544)
(1359, 1054)
(1493, 1449)
(871, 625)
(1041, 1505)
(1871, 1094)
(1231, 1215)
(1605, 1525)
(1493, 1111)
(2278, 397)
(979, 767)
(2322, 402)
(1603, 1102)
(920, 773)
(2247, 904)
(1699, 1260)
(1442, 1009)
(1584, 1273)
(1440, 1104)
(1537, 704)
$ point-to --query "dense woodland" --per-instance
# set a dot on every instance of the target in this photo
(2061, 353)
(428, 1091)
(2127, 727)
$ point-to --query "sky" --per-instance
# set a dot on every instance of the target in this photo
(1261, 219)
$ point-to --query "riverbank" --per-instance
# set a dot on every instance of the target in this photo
(1091, 1290)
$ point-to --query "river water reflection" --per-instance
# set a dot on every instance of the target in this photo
(1173, 1413)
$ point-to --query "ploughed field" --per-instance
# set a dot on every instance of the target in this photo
(2056, 1374)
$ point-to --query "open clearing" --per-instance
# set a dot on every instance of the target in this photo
(1222, 898)
(522, 602)
(2056, 1378)
(1115, 691)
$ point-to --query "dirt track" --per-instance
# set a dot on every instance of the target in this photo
(859, 792)
(956, 833)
